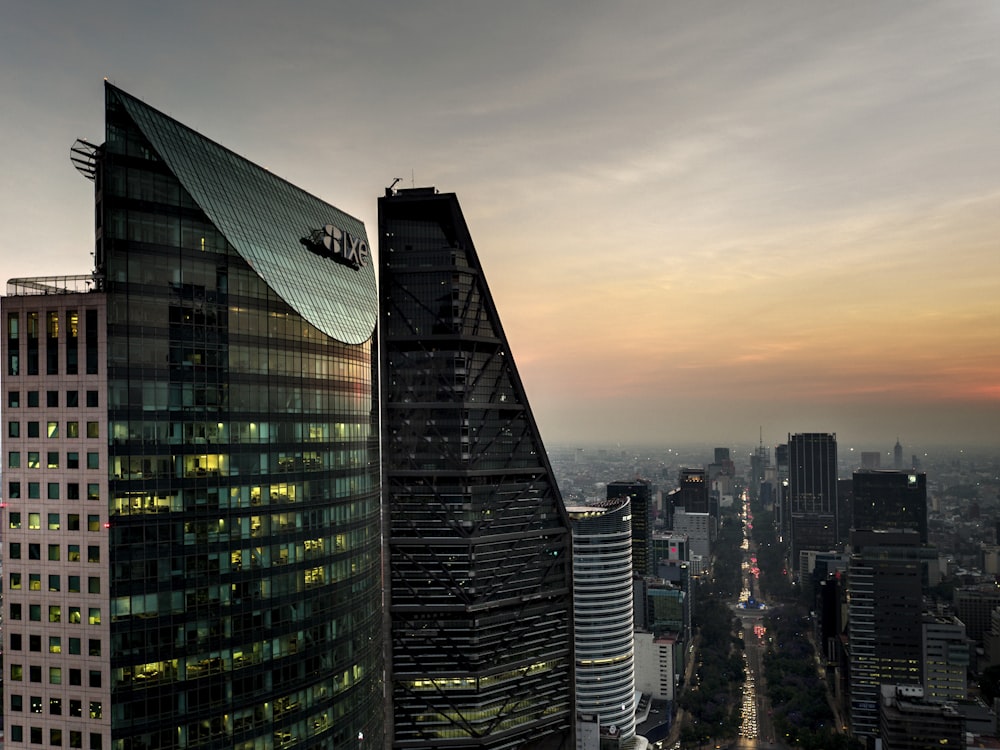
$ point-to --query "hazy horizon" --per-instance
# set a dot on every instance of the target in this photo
(695, 219)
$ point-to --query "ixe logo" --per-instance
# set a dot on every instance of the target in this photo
(333, 242)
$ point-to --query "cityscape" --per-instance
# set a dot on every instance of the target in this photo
(507, 377)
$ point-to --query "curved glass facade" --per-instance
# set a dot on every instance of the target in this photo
(245, 589)
(602, 615)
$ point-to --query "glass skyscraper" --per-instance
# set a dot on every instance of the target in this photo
(212, 510)
(478, 540)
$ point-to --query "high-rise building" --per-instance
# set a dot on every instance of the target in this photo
(947, 658)
(885, 583)
(890, 500)
(479, 579)
(812, 492)
(603, 619)
(908, 721)
(193, 513)
(897, 456)
(640, 492)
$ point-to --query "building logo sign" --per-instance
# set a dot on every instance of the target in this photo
(333, 242)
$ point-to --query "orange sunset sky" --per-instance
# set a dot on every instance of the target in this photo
(698, 220)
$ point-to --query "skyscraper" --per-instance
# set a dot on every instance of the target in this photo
(812, 492)
(210, 472)
(478, 540)
(890, 500)
(603, 621)
(640, 492)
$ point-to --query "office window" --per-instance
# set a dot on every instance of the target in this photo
(14, 582)
(94, 616)
(33, 430)
(34, 581)
(14, 550)
(34, 490)
(35, 612)
(55, 644)
(33, 460)
(74, 646)
(55, 613)
(95, 738)
(35, 643)
(14, 521)
(33, 399)
(74, 616)
(93, 553)
(73, 550)
(52, 399)
(54, 552)
(52, 429)
(54, 583)
(72, 490)
(93, 491)
(13, 429)
(35, 521)
(16, 702)
(75, 739)
(72, 429)
(55, 737)
(55, 706)
(92, 399)
(15, 641)
(13, 399)
(73, 584)
(14, 460)
(93, 429)
(54, 524)
(74, 677)
(93, 523)
(72, 399)
(94, 678)
(36, 735)
(96, 712)
(72, 460)
(52, 491)
(75, 708)
(16, 672)
(73, 524)
(93, 585)
(36, 704)
(34, 551)
(52, 459)
(16, 733)
(55, 675)
(15, 611)
(94, 646)
(35, 673)
(93, 461)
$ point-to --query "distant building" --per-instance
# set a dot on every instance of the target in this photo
(909, 722)
(947, 658)
(974, 606)
(871, 460)
(659, 663)
(698, 527)
(890, 500)
(897, 456)
(812, 492)
(640, 492)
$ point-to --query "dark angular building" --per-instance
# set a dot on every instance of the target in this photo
(890, 500)
(479, 571)
(212, 476)
(640, 492)
(812, 492)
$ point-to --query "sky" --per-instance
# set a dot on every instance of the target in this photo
(711, 221)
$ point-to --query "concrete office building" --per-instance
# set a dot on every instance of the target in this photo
(192, 516)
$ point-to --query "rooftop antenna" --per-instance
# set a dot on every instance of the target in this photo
(388, 190)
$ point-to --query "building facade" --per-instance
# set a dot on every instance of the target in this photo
(812, 492)
(640, 492)
(211, 477)
(890, 500)
(603, 618)
(477, 538)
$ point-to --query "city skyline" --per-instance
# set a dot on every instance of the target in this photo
(697, 221)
